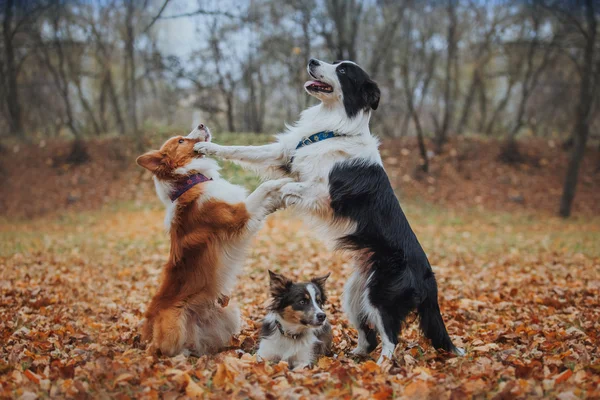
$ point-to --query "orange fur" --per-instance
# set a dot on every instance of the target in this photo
(189, 294)
(293, 316)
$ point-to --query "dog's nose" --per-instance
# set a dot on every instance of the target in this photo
(313, 63)
(321, 316)
(201, 127)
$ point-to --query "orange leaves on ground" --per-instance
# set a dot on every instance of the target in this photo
(226, 373)
(69, 320)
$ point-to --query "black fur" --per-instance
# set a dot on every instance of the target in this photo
(369, 333)
(323, 346)
(402, 278)
(360, 92)
(267, 329)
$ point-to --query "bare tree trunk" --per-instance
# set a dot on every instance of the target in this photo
(531, 78)
(466, 112)
(229, 99)
(103, 57)
(12, 93)
(102, 105)
(88, 108)
(345, 15)
(442, 133)
(114, 99)
(500, 107)
(483, 104)
(306, 41)
(58, 72)
(130, 80)
(387, 35)
(583, 115)
(415, 117)
(262, 103)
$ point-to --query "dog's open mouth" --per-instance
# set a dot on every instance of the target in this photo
(318, 86)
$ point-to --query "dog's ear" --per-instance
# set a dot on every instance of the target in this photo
(320, 280)
(278, 283)
(371, 94)
(151, 160)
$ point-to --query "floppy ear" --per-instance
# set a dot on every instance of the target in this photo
(151, 160)
(320, 280)
(371, 94)
(278, 283)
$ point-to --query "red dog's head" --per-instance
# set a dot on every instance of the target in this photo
(177, 152)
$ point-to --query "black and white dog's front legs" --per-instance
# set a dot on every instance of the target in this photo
(268, 160)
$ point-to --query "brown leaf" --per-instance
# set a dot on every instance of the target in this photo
(31, 376)
(193, 390)
(562, 377)
(224, 375)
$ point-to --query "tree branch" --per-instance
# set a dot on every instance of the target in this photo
(157, 16)
(200, 12)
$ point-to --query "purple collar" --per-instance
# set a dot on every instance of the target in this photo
(183, 185)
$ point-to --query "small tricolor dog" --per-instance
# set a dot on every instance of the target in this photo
(210, 222)
(296, 329)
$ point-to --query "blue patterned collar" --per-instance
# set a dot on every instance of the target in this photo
(317, 137)
(314, 138)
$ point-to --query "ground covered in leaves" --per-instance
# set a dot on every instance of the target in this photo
(520, 291)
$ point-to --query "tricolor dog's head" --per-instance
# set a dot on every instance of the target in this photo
(299, 303)
(345, 82)
(175, 155)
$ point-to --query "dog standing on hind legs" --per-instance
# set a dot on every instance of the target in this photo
(210, 223)
(342, 185)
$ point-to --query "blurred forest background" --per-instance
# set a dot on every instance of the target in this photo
(503, 70)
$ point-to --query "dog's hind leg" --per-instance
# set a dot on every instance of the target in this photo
(353, 307)
(214, 330)
(431, 321)
(169, 331)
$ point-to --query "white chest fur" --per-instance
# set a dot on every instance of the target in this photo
(296, 352)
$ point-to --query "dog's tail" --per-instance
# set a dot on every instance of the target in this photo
(431, 321)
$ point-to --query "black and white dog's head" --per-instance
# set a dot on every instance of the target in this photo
(298, 303)
(345, 82)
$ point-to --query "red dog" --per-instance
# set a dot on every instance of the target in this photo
(210, 222)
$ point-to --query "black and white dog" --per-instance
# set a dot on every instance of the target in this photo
(342, 185)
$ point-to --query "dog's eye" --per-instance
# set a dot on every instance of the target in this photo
(181, 141)
(302, 302)
(342, 70)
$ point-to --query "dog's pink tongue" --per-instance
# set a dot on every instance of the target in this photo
(315, 83)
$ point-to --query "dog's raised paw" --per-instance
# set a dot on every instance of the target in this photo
(206, 148)
(277, 184)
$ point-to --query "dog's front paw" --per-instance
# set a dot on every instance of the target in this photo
(206, 148)
(275, 185)
(359, 352)
(292, 193)
(273, 194)
(300, 366)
